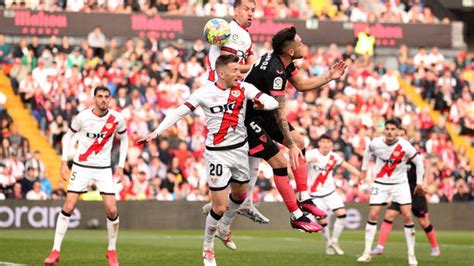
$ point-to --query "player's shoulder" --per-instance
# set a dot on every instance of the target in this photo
(116, 114)
(406, 143)
(246, 85)
(84, 114)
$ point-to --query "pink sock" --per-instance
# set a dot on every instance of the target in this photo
(301, 175)
(385, 232)
(286, 191)
(431, 235)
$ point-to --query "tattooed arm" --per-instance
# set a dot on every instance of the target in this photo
(280, 114)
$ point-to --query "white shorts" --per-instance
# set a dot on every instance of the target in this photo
(400, 193)
(330, 202)
(227, 166)
(81, 176)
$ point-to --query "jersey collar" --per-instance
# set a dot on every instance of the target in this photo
(244, 28)
(219, 86)
(385, 141)
(92, 110)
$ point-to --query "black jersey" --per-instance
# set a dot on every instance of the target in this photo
(269, 75)
(411, 176)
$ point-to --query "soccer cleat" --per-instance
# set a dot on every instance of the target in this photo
(364, 258)
(412, 260)
(377, 251)
(208, 257)
(249, 211)
(226, 239)
(206, 209)
(329, 249)
(335, 246)
(435, 252)
(309, 206)
(52, 258)
(112, 258)
(305, 224)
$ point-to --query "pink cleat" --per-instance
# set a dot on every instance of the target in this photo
(305, 224)
(112, 257)
(309, 206)
(52, 258)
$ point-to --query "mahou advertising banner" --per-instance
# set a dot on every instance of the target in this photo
(313, 32)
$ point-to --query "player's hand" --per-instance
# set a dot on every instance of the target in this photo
(337, 70)
(64, 171)
(148, 138)
(419, 190)
(295, 153)
(119, 172)
(362, 176)
(257, 104)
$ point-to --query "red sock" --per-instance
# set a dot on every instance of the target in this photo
(385, 232)
(301, 175)
(284, 188)
(431, 235)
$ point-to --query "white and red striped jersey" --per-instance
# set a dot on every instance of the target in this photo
(96, 135)
(239, 43)
(224, 110)
(390, 160)
(320, 171)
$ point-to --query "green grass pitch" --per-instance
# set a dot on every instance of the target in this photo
(87, 247)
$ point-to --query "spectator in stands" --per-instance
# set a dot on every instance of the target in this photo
(59, 193)
(36, 193)
(5, 51)
(17, 191)
(97, 41)
(35, 163)
(28, 180)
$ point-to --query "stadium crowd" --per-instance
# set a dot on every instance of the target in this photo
(395, 11)
(148, 77)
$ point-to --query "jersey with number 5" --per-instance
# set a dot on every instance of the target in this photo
(269, 75)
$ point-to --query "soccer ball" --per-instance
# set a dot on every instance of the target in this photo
(216, 31)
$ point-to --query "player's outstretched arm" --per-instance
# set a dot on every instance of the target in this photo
(305, 84)
(171, 119)
(351, 168)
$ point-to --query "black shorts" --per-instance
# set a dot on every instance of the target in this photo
(419, 207)
(263, 133)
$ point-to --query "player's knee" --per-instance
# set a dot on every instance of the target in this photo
(373, 216)
(219, 209)
(68, 207)
(111, 212)
(278, 161)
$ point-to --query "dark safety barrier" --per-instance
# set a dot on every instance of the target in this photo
(187, 215)
(26, 22)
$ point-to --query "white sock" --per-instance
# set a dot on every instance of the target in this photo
(61, 229)
(370, 230)
(112, 232)
(338, 227)
(303, 195)
(297, 214)
(410, 237)
(327, 233)
(229, 215)
(210, 230)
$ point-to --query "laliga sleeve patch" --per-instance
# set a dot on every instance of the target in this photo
(277, 83)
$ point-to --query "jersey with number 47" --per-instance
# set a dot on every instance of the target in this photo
(270, 76)
(390, 160)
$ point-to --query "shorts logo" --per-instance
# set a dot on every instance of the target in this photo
(235, 93)
(235, 37)
(277, 83)
(213, 179)
(263, 138)
(109, 125)
(279, 72)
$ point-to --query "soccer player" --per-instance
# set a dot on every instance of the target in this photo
(239, 44)
(265, 128)
(321, 165)
(224, 105)
(419, 209)
(92, 162)
(392, 155)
